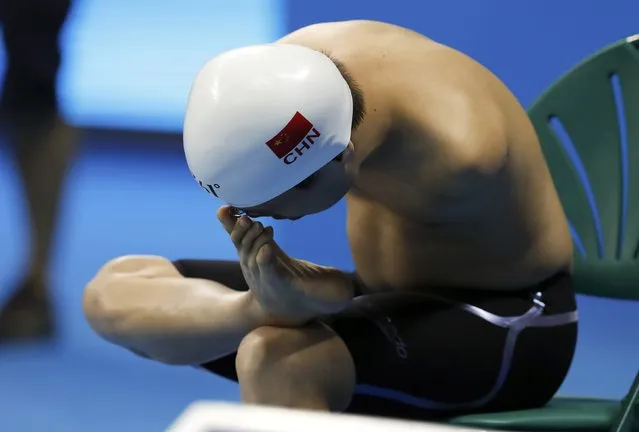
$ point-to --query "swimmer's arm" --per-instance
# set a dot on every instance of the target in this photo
(144, 304)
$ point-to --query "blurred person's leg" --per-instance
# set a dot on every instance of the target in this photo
(42, 144)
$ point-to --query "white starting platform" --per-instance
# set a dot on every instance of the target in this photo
(225, 417)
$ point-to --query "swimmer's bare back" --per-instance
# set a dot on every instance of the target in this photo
(452, 188)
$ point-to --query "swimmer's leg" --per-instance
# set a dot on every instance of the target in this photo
(304, 368)
(43, 146)
(43, 156)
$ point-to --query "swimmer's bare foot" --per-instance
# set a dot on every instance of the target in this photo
(27, 314)
(289, 290)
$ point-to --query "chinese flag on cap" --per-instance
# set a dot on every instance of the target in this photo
(291, 135)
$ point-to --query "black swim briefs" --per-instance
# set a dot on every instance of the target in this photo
(423, 356)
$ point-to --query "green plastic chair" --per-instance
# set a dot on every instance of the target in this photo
(596, 172)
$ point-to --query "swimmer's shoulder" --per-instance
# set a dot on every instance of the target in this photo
(344, 37)
(351, 26)
(419, 84)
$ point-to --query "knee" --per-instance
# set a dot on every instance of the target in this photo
(311, 366)
(260, 351)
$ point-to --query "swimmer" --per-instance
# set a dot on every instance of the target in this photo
(461, 301)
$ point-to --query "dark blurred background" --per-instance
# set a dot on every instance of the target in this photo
(126, 71)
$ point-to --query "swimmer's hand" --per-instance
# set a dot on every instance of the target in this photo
(288, 290)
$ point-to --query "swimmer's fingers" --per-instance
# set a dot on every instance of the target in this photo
(238, 227)
(263, 241)
(251, 233)
(226, 218)
(243, 225)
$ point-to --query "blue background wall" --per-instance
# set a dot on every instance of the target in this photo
(129, 65)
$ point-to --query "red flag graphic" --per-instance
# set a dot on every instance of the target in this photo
(290, 136)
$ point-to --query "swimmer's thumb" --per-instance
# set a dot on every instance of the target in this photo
(226, 218)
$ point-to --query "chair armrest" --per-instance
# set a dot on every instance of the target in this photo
(628, 419)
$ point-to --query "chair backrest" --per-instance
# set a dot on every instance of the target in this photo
(628, 418)
(588, 124)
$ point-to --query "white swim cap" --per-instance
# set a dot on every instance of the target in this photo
(261, 119)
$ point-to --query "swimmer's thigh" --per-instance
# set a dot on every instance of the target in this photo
(229, 274)
(420, 357)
